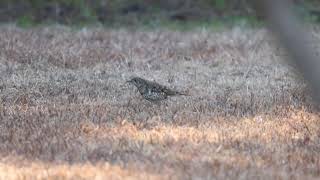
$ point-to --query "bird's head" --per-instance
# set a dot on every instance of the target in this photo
(136, 81)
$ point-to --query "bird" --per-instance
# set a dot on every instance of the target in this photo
(153, 91)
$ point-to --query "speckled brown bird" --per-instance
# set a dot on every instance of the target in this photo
(153, 91)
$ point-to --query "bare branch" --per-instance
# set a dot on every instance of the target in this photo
(294, 37)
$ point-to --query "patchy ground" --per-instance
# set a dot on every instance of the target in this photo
(66, 111)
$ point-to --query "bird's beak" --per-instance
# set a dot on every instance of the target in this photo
(126, 83)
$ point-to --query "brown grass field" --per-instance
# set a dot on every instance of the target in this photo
(67, 113)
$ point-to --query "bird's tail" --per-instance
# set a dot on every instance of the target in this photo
(183, 94)
(178, 93)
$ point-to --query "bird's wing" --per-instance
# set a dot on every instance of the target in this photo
(163, 89)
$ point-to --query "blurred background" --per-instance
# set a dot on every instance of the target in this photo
(141, 12)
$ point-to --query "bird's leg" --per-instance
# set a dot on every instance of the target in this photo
(158, 104)
(155, 105)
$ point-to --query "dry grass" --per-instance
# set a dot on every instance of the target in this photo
(66, 112)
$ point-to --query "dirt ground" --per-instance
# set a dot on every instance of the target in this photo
(67, 113)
